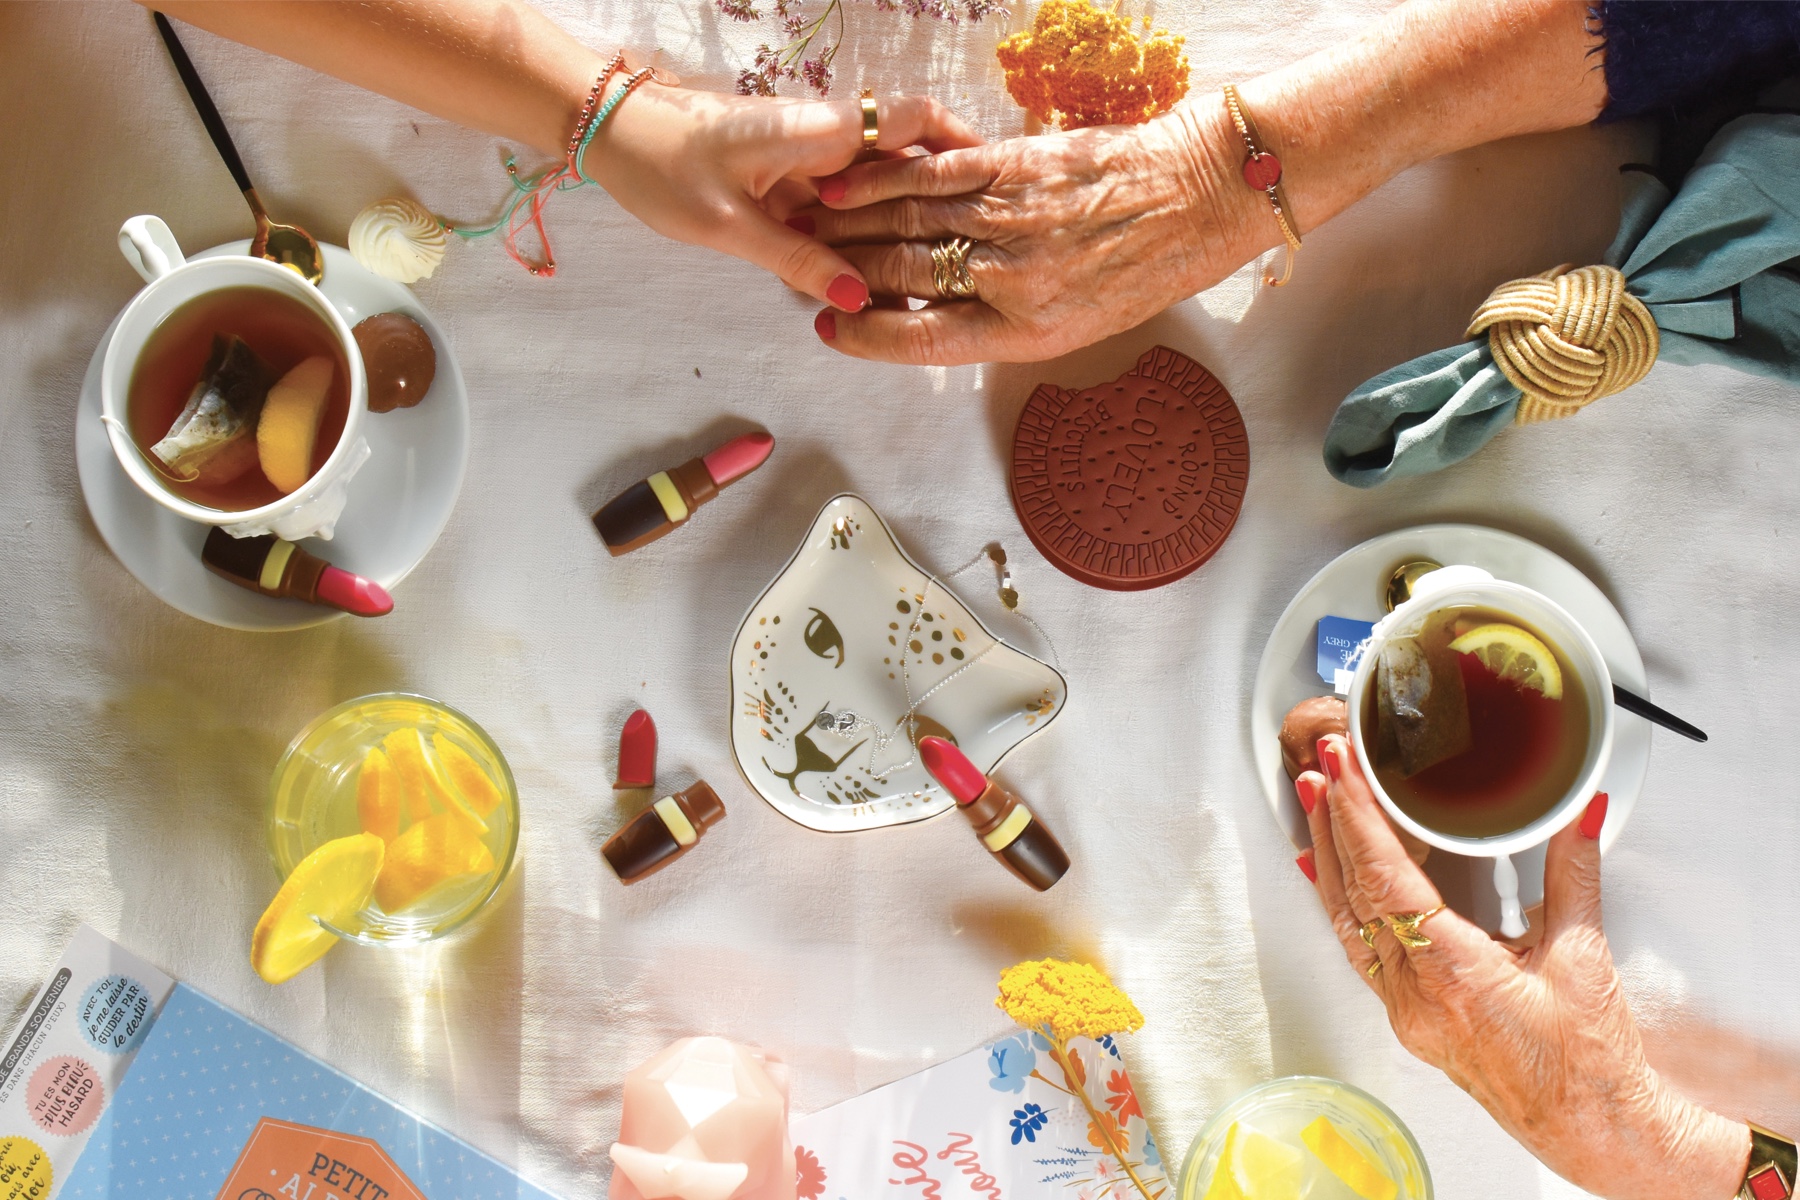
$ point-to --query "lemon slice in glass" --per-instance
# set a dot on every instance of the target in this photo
(1255, 1166)
(1347, 1162)
(1514, 655)
(331, 884)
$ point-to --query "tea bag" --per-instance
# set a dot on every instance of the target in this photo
(1422, 712)
(214, 436)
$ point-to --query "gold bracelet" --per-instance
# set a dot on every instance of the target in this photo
(1772, 1164)
(1262, 172)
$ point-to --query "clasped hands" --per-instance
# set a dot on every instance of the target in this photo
(1077, 235)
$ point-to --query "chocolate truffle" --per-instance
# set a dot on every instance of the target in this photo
(1304, 725)
(399, 359)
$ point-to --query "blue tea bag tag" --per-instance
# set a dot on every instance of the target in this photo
(1340, 647)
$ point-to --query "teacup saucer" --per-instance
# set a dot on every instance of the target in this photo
(1351, 585)
(399, 502)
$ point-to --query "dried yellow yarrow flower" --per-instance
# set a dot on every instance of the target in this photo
(1085, 66)
(1066, 1000)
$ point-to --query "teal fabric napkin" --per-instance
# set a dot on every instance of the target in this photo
(1717, 264)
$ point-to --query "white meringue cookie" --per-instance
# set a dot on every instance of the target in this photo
(398, 239)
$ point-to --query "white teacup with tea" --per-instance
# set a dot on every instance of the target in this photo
(1482, 713)
(233, 392)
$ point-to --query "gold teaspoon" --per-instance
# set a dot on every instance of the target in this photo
(288, 245)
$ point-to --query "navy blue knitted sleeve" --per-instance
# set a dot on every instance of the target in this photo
(1663, 55)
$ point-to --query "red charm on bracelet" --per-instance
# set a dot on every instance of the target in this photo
(1767, 1184)
(1262, 171)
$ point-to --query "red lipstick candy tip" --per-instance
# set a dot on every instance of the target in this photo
(952, 768)
(738, 457)
(637, 752)
(354, 594)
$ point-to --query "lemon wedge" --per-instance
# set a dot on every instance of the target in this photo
(1224, 1179)
(430, 852)
(1514, 655)
(421, 780)
(1348, 1163)
(466, 777)
(1266, 1169)
(378, 796)
(332, 884)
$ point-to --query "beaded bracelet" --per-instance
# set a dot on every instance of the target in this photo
(612, 102)
(1262, 172)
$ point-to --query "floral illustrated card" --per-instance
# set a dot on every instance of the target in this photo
(1002, 1122)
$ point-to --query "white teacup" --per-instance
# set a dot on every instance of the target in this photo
(1454, 586)
(312, 509)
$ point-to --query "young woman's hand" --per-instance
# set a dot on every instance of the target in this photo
(728, 172)
(1543, 1038)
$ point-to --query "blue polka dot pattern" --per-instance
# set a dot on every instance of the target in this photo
(203, 1080)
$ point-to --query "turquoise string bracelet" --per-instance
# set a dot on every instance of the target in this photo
(525, 208)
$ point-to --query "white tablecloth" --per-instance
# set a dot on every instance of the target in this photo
(136, 743)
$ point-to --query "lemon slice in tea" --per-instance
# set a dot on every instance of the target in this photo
(1514, 655)
(332, 884)
(422, 780)
(1347, 1162)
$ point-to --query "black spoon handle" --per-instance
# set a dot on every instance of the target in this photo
(1633, 703)
(203, 104)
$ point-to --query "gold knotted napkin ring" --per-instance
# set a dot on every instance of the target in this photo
(1567, 337)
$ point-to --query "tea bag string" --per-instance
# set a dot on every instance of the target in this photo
(846, 722)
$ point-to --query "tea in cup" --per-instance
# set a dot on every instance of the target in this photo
(233, 392)
(1482, 714)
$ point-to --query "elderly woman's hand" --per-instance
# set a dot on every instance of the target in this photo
(1543, 1038)
(1078, 235)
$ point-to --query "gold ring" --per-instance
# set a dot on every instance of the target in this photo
(950, 268)
(871, 131)
(1406, 927)
(1368, 931)
(1374, 969)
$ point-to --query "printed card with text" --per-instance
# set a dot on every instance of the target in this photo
(63, 1066)
(998, 1123)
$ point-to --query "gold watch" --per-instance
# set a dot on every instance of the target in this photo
(1772, 1167)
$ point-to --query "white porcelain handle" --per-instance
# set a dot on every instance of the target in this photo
(1506, 882)
(149, 247)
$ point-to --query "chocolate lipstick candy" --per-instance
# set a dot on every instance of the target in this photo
(663, 832)
(276, 568)
(1022, 843)
(645, 511)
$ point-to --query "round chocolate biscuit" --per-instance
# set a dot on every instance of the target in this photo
(1134, 483)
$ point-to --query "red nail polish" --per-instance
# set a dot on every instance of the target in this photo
(825, 324)
(1306, 866)
(1328, 758)
(1594, 819)
(832, 190)
(848, 293)
(802, 224)
(1307, 789)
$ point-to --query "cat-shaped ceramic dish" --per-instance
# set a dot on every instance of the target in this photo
(830, 635)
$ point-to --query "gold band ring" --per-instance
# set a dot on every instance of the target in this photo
(1368, 931)
(950, 268)
(871, 130)
(1374, 969)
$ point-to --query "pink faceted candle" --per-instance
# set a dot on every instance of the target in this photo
(705, 1119)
